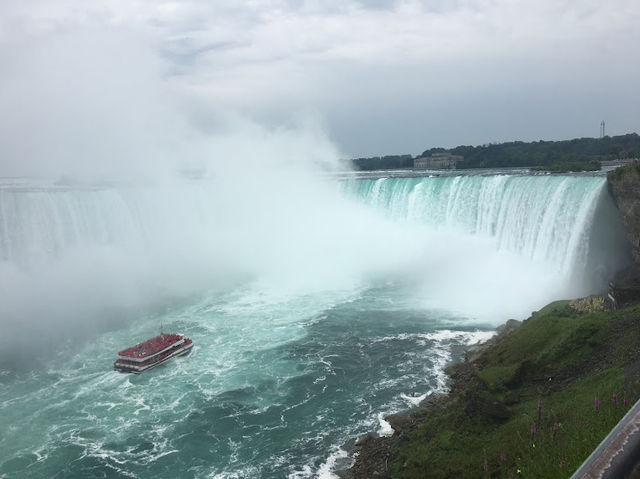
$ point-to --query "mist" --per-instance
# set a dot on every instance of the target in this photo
(146, 192)
(82, 256)
(142, 193)
(116, 226)
(85, 258)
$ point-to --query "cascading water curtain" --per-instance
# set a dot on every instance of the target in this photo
(544, 218)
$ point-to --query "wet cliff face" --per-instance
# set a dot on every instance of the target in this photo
(624, 186)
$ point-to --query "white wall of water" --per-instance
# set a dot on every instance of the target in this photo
(501, 245)
(68, 254)
(490, 247)
(541, 218)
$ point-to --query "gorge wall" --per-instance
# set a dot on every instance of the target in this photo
(624, 186)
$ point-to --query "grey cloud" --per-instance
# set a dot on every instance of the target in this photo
(91, 102)
(387, 77)
(184, 52)
(378, 4)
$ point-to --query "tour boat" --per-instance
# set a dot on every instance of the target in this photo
(152, 352)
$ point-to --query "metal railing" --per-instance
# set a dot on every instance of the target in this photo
(618, 455)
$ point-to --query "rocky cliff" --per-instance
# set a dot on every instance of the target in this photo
(624, 186)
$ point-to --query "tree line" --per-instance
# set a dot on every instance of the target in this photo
(554, 155)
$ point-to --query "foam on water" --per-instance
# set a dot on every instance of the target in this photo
(413, 401)
(385, 426)
(326, 470)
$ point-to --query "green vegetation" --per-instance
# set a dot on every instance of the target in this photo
(566, 166)
(390, 162)
(559, 156)
(630, 169)
(526, 405)
(546, 153)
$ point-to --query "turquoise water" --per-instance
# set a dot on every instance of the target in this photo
(300, 347)
(265, 393)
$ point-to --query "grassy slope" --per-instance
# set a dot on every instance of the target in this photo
(629, 170)
(559, 359)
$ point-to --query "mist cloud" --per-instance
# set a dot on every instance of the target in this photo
(260, 99)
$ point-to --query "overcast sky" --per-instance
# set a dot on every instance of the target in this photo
(123, 78)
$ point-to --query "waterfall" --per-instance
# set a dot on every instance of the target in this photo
(542, 218)
(71, 254)
(44, 223)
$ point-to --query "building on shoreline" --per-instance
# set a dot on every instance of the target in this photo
(437, 161)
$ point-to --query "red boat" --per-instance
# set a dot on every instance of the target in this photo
(152, 352)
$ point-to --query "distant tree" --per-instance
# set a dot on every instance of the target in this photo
(520, 154)
(546, 153)
(388, 162)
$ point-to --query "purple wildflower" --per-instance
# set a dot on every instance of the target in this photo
(624, 400)
(503, 457)
(485, 466)
(533, 428)
(615, 399)
(563, 463)
(539, 409)
(555, 429)
(596, 403)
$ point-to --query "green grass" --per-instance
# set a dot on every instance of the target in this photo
(559, 357)
(567, 166)
(630, 169)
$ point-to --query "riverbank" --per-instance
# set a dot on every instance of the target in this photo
(533, 402)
